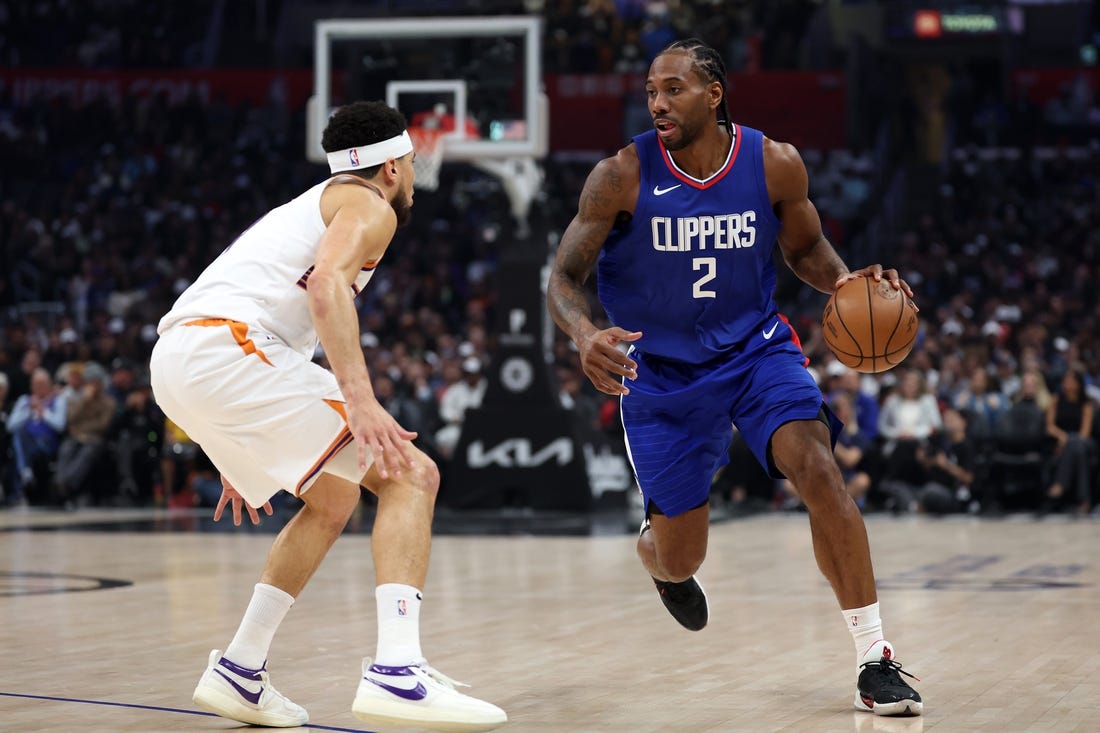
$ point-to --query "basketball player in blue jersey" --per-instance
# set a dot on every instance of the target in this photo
(681, 224)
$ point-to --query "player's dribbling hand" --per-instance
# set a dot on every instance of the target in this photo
(875, 272)
(376, 431)
(229, 494)
(601, 358)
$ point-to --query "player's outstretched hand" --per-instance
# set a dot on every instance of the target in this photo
(229, 494)
(376, 431)
(875, 272)
(601, 359)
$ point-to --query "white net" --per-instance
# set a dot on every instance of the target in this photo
(428, 144)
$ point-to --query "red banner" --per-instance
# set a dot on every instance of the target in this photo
(588, 112)
(257, 86)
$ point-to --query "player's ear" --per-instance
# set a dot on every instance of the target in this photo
(389, 170)
(715, 92)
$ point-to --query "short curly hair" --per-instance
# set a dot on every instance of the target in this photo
(362, 123)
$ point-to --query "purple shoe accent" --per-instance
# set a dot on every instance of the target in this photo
(416, 693)
(248, 674)
(391, 671)
(252, 697)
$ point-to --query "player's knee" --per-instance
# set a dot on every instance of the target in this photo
(420, 479)
(333, 501)
(820, 483)
(426, 475)
(681, 566)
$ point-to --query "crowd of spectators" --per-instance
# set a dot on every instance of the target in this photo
(581, 35)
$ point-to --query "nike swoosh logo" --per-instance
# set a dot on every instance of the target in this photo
(768, 334)
(658, 191)
(252, 697)
(416, 693)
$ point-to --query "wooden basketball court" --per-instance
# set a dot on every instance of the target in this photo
(106, 620)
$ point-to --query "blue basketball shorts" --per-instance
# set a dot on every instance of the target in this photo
(679, 418)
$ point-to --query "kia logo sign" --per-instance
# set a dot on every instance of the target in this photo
(518, 453)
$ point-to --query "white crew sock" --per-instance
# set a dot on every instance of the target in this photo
(265, 612)
(865, 625)
(398, 625)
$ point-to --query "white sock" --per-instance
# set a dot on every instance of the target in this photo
(265, 612)
(865, 625)
(398, 625)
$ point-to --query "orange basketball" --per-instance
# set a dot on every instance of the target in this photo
(870, 326)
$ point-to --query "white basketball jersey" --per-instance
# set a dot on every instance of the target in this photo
(261, 278)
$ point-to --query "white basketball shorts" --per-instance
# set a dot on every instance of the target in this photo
(266, 416)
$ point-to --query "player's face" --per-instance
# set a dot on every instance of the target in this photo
(678, 100)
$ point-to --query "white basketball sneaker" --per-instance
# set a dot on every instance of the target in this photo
(245, 695)
(419, 695)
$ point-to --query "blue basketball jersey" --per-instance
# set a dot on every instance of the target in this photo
(693, 267)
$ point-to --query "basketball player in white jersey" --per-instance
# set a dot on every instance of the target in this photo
(233, 367)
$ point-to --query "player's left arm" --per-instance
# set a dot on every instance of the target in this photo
(804, 245)
(359, 228)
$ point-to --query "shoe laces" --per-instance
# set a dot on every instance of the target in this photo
(437, 676)
(890, 669)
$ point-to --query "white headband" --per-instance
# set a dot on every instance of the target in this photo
(366, 156)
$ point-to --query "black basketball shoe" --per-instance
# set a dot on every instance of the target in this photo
(881, 690)
(686, 602)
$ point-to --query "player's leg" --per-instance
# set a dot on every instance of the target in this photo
(235, 684)
(398, 687)
(264, 428)
(802, 450)
(672, 549)
(677, 431)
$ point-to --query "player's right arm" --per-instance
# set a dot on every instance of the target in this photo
(610, 192)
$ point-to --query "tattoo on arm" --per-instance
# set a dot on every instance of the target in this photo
(598, 195)
(568, 299)
(580, 248)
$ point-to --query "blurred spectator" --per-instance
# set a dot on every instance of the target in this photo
(980, 404)
(88, 417)
(456, 399)
(850, 447)
(177, 464)
(1017, 460)
(122, 380)
(20, 379)
(908, 419)
(408, 413)
(840, 380)
(950, 461)
(36, 424)
(70, 380)
(1069, 422)
(138, 437)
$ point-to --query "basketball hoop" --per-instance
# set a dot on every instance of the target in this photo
(428, 144)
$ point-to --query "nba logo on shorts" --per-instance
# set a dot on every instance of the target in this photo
(402, 609)
(353, 154)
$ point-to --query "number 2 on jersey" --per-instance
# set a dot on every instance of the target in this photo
(710, 264)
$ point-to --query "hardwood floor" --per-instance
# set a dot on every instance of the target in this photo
(106, 620)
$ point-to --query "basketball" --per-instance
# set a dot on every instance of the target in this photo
(870, 326)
